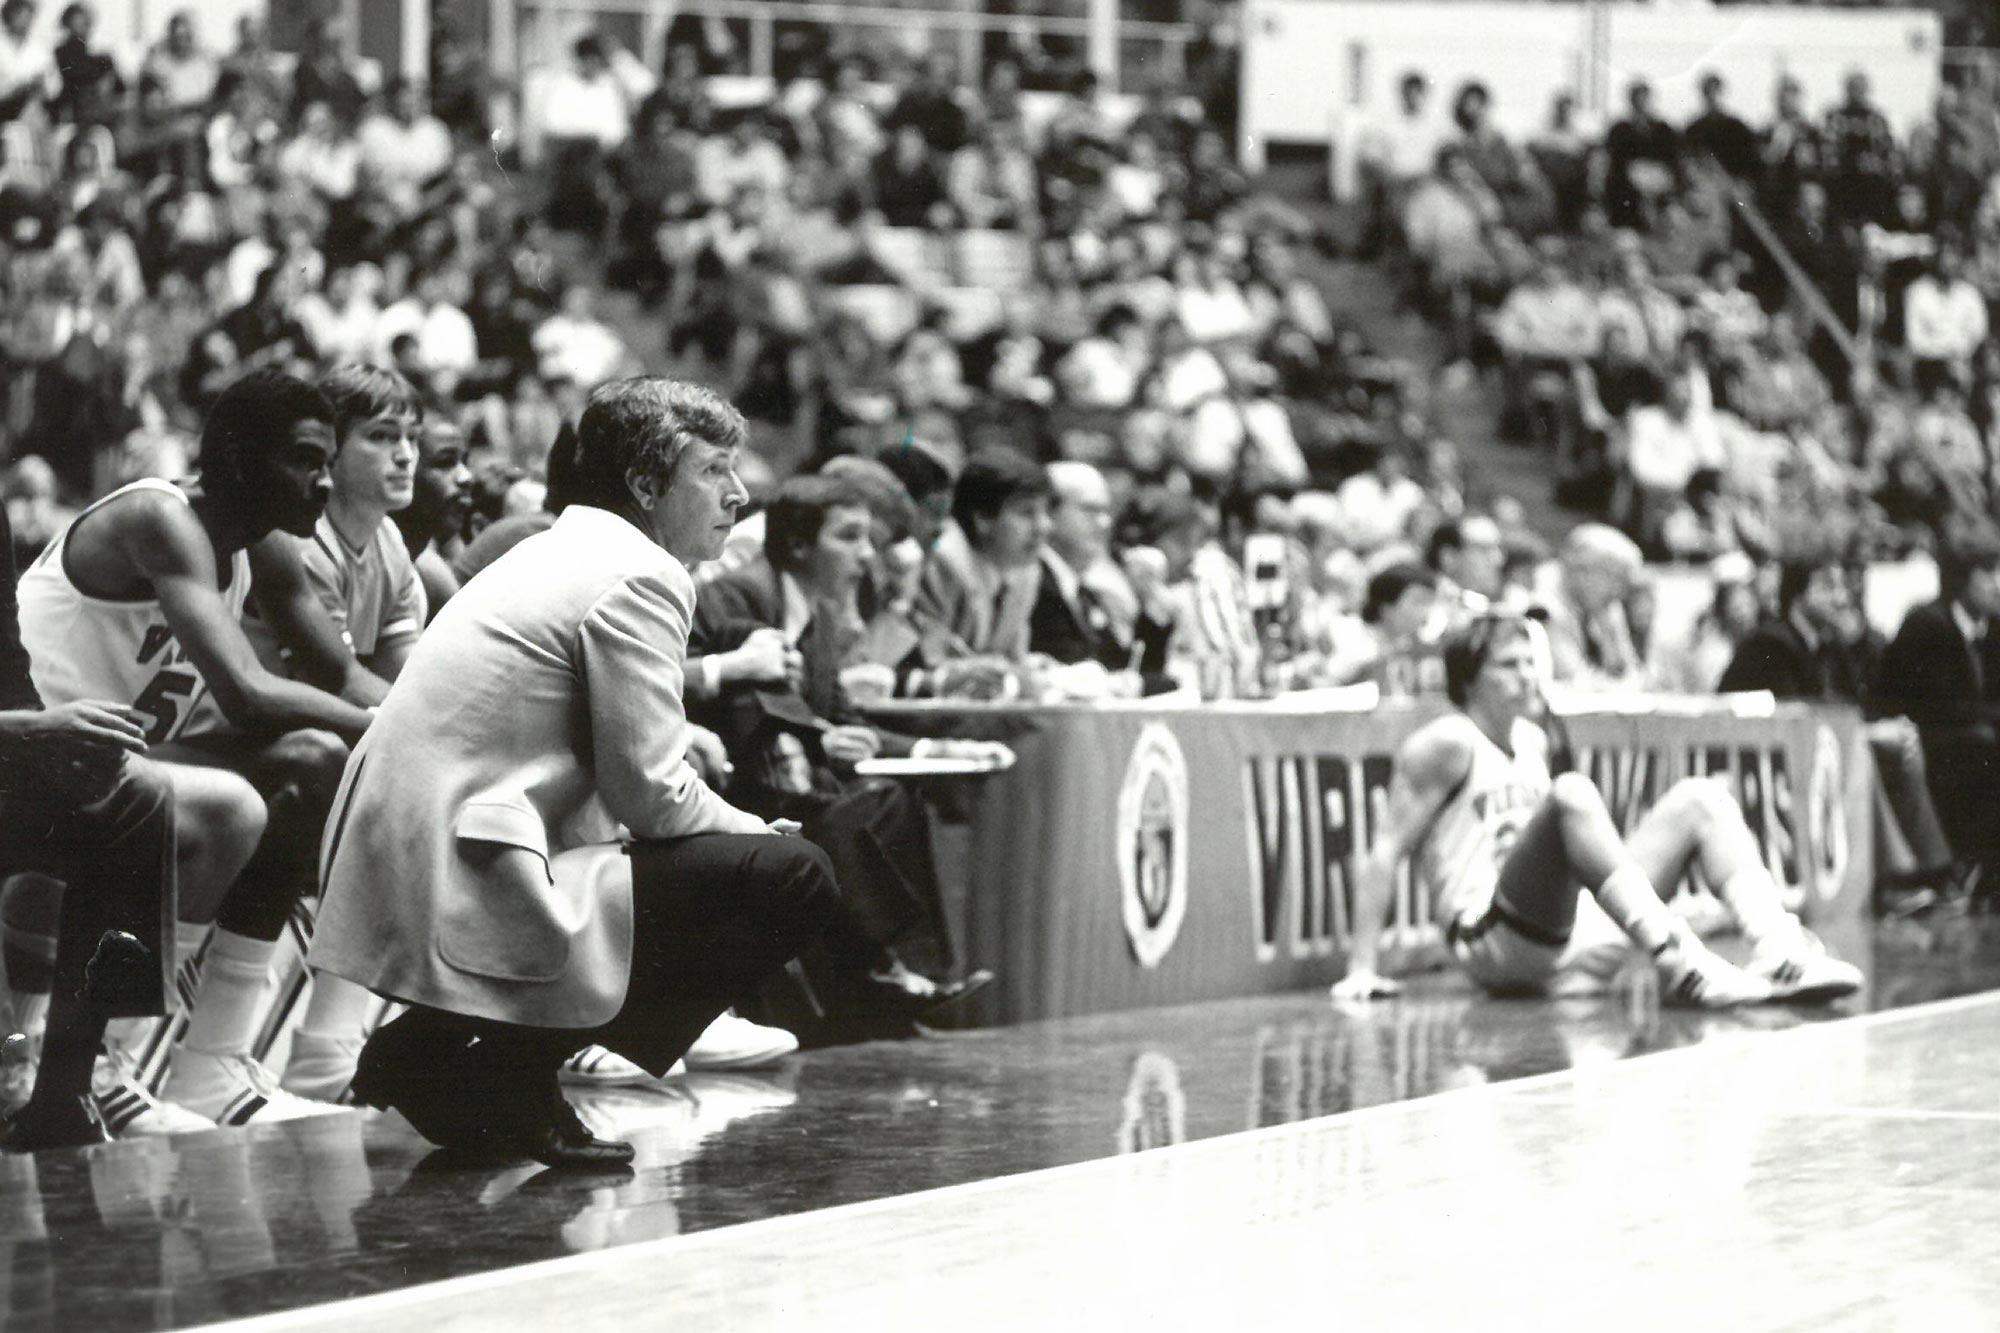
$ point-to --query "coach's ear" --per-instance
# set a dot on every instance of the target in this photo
(645, 487)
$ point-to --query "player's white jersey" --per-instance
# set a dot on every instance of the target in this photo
(83, 647)
(1477, 827)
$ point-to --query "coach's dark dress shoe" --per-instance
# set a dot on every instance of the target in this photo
(470, 1093)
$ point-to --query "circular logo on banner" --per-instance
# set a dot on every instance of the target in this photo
(1152, 844)
(1826, 817)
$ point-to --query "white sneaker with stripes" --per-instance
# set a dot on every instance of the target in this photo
(1803, 972)
(596, 1067)
(1693, 976)
(128, 1110)
(234, 1090)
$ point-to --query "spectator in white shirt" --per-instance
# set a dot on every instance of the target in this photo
(27, 64)
(447, 349)
(1547, 319)
(1103, 370)
(588, 101)
(1665, 444)
(576, 346)
(1944, 316)
(1211, 306)
(341, 320)
(236, 135)
(745, 158)
(323, 158)
(405, 148)
(1376, 506)
(182, 68)
(1394, 154)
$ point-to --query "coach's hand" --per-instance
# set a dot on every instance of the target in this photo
(764, 658)
(850, 745)
(1361, 987)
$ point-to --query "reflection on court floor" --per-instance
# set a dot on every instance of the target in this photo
(1269, 1141)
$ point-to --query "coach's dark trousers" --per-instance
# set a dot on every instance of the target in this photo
(711, 915)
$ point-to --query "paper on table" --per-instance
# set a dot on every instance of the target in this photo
(938, 766)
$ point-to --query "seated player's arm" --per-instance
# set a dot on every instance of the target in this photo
(301, 623)
(1429, 766)
(167, 545)
(402, 622)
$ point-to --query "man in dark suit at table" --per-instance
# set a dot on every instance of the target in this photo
(1802, 652)
(795, 743)
(1808, 652)
(1942, 671)
(1073, 620)
(979, 582)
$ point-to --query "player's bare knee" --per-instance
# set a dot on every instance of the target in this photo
(309, 760)
(1707, 800)
(218, 816)
(1575, 796)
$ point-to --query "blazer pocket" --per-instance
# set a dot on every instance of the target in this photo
(501, 917)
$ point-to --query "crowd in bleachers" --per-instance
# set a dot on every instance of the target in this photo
(1715, 324)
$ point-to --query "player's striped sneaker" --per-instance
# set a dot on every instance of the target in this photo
(1693, 976)
(596, 1067)
(234, 1090)
(125, 1106)
(1803, 972)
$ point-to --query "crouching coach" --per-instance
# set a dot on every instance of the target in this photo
(520, 849)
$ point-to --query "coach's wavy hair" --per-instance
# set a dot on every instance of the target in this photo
(639, 428)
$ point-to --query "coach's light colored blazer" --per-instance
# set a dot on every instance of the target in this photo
(472, 862)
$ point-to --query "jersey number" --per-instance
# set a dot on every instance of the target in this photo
(160, 700)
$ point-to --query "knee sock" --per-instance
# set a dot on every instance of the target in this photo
(1628, 898)
(338, 1009)
(28, 949)
(1752, 897)
(31, 1011)
(229, 998)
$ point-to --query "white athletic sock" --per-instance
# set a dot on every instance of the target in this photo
(35, 962)
(31, 1011)
(129, 1034)
(1628, 898)
(1752, 897)
(338, 1008)
(228, 1000)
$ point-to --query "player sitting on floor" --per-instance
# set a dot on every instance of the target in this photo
(1501, 847)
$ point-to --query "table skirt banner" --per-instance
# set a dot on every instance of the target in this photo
(1139, 857)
